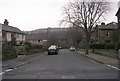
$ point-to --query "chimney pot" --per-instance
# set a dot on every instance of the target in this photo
(102, 23)
(6, 22)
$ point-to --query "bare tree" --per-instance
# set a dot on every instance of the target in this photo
(85, 14)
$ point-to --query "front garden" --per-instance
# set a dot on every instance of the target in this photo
(10, 51)
(110, 50)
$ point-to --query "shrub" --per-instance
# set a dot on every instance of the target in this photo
(110, 46)
(36, 46)
(20, 50)
(102, 46)
(97, 46)
(27, 45)
(33, 48)
(8, 52)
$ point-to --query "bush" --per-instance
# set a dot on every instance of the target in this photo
(32, 48)
(8, 52)
(110, 46)
(97, 46)
(27, 45)
(36, 46)
(102, 46)
(20, 50)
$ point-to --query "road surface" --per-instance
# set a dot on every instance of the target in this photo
(66, 65)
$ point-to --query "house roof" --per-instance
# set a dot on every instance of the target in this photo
(118, 12)
(112, 25)
(11, 29)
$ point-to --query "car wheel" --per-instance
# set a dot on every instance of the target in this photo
(48, 53)
(56, 53)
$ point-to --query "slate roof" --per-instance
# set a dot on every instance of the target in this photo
(118, 12)
(112, 25)
(11, 29)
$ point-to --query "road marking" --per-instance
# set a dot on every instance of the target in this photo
(68, 77)
(6, 71)
(113, 67)
(2, 73)
(21, 64)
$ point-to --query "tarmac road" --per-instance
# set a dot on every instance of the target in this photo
(66, 65)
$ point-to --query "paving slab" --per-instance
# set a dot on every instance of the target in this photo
(102, 58)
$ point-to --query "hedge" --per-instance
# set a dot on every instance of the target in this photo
(103, 46)
(97, 46)
(36, 46)
(8, 52)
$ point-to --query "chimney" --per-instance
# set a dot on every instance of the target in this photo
(119, 4)
(102, 23)
(6, 22)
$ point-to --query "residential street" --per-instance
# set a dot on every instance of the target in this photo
(66, 65)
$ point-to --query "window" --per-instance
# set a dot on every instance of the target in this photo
(3, 34)
(17, 35)
(108, 34)
(38, 40)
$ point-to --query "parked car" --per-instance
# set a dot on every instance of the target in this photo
(52, 50)
(72, 48)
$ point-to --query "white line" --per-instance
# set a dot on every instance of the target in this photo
(8, 70)
(113, 67)
(68, 77)
(109, 65)
(2, 73)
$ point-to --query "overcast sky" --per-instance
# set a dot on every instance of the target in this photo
(34, 14)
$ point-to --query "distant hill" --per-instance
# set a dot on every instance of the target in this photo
(55, 35)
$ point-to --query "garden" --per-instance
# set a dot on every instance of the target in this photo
(10, 50)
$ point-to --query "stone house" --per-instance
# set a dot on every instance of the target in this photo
(103, 34)
(10, 32)
(118, 30)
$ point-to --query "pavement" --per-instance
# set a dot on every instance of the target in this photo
(21, 60)
(102, 59)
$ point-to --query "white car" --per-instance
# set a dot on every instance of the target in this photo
(72, 48)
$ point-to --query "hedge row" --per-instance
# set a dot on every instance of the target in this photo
(10, 51)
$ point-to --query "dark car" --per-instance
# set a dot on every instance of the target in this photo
(52, 50)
